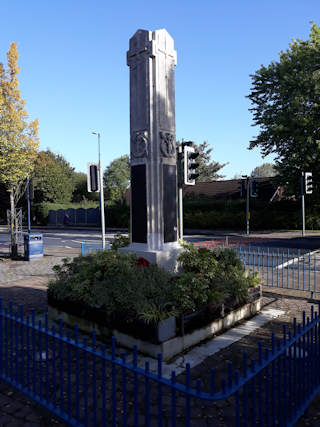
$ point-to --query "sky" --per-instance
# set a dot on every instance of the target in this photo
(75, 80)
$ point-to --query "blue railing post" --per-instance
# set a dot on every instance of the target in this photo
(85, 380)
(135, 386)
(147, 395)
(173, 402)
(40, 358)
(46, 327)
(54, 371)
(113, 383)
(1, 339)
(188, 385)
(21, 344)
(69, 403)
(94, 378)
(124, 390)
(61, 360)
(77, 398)
(104, 391)
(34, 369)
(160, 419)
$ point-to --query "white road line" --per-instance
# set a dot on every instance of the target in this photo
(293, 260)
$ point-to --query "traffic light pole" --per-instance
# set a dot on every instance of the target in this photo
(180, 196)
(302, 205)
(101, 198)
(247, 205)
(28, 205)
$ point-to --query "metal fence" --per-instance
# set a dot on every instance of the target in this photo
(282, 268)
(90, 248)
(85, 385)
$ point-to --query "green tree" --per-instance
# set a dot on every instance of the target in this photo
(265, 170)
(208, 169)
(53, 178)
(285, 99)
(116, 178)
(80, 191)
(18, 138)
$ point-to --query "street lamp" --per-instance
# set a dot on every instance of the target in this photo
(101, 193)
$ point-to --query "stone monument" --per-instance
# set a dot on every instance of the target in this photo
(153, 215)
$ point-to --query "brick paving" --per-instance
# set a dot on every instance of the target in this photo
(25, 283)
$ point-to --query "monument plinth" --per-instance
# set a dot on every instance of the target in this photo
(152, 59)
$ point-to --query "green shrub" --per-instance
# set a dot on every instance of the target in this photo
(112, 281)
(190, 291)
(120, 241)
(221, 271)
(128, 287)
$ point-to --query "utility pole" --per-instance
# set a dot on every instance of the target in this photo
(28, 205)
(247, 178)
(101, 194)
(302, 204)
(248, 198)
(180, 196)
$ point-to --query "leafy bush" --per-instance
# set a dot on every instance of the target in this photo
(120, 241)
(128, 287)
(112, 281)
(221, 272)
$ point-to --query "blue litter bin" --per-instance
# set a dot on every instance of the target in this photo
(33, 246)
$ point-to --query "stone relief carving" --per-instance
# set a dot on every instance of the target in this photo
(167, 144)
(139, 144)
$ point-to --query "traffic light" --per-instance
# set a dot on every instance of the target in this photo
(242, 187)
(253, 188)
(308, 182)
(190, 165)
(93, 178)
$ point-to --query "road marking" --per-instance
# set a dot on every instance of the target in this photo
(297, 259)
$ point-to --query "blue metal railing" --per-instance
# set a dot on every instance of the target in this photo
(295, 269)
(89, 248)
(84, 385)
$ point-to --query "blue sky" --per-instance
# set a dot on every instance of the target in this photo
(75, 80)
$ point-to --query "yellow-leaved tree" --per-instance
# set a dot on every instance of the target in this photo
(19, 140)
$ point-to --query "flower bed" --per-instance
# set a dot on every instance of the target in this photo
(120, 292)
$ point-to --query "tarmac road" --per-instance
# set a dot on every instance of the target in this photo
(72, 238)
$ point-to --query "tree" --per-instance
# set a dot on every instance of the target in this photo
(18, 138)
(286, 106)
(265, 170)
(53, 178)
(116, 178)
(207, 169)
(80, 191)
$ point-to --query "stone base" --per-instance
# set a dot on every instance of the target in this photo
(165, 258)
(178, 344)
(170, 347)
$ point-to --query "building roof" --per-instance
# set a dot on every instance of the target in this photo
(228, 189)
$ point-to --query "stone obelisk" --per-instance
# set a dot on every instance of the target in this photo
(152, 60)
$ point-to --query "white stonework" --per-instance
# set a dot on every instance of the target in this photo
(152, 59)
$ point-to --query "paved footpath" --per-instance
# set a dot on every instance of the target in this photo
(25, 283)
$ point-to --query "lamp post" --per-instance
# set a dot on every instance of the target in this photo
(101, 193)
